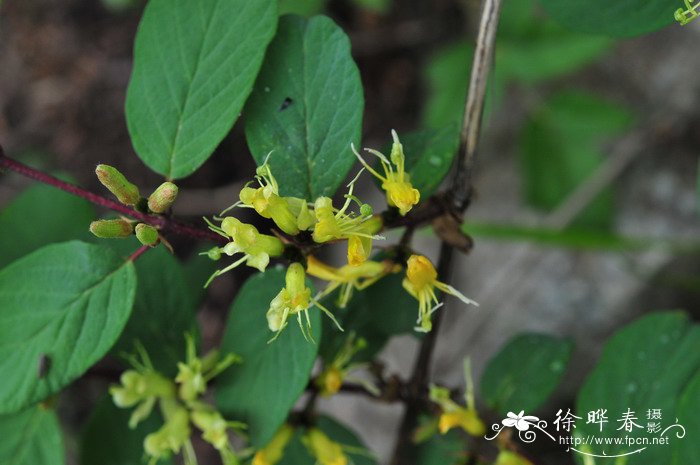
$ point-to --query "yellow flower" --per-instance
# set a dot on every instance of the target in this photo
(421, 282)
(359, 230)
(454, 415)
(349, 277)
(294, 299)
(400, 193)
(256, 248)
(290, 214)
(326, 451)
(330, 380)
(170, 438)
(274, 450)
(193, 375)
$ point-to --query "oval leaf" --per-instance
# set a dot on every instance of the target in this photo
(164, 310)
(195, 63)
(525, 372)
(621, 18)
(63, 214)
(647, 365)
(61, 309)
(306, 107)
(31, 437)
(262, 390)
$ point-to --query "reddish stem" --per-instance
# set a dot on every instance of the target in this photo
(163, 223)
(140, 251)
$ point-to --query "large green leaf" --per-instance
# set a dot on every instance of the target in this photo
(621, 18)
(164, 310)
(194, 66)
(447, 449)
(306, 107)
(61, 309)
(262, 390)
(108, 440)
(31, 437)
(560, 149)
(297, 454)
(525, 372)
(688, 407)
(39, 216)
(301, 7)
(650, 364)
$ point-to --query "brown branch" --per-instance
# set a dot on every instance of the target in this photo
(459, 195)
(165, 224)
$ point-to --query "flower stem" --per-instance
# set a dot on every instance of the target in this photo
(165, 224)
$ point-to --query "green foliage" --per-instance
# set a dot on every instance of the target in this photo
(108, 440)
(429, 155)
(194, 65)
(651, 364)
(525, 372)
(63, 307)
(262, 390)
(529, 49)
(621, 18)
(561, 148)
(297, 454)
(306, 107)
(164, 310)
(688, 406)
(447, 449)
(31, 437)
(38, 216)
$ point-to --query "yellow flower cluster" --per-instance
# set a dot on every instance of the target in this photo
(320, 446)
(353, 222)
(179, 403)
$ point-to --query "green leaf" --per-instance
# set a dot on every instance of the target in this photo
(447, 449)
(39, 216)
(560, 149)
(688, 407)
(306, 107)
(379, 6)
(621, 18)
(108, 440)
(525, 372)
(297, 454)
(31, 437)
(263, 389)
(646, 365)
(429, 154)
(164, 310)
(62, 307)
(194, 65)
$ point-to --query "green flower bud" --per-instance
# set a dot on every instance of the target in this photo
(366, 210)
(214, 253)
(123, 190)
(146, 234)
(111, 229)
(162, 198)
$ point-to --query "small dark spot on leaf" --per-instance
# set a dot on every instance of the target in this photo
(44, 365)
(287, 101)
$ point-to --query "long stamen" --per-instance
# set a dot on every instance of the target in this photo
(366, 165)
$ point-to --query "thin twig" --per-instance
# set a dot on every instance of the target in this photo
(471, 125)
(140, 251)
(163, 223)
(460, 194)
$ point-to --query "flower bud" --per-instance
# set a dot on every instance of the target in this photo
(146, 234)
(111, 229)
(214, 253)
(162, 198)
(123, 190)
